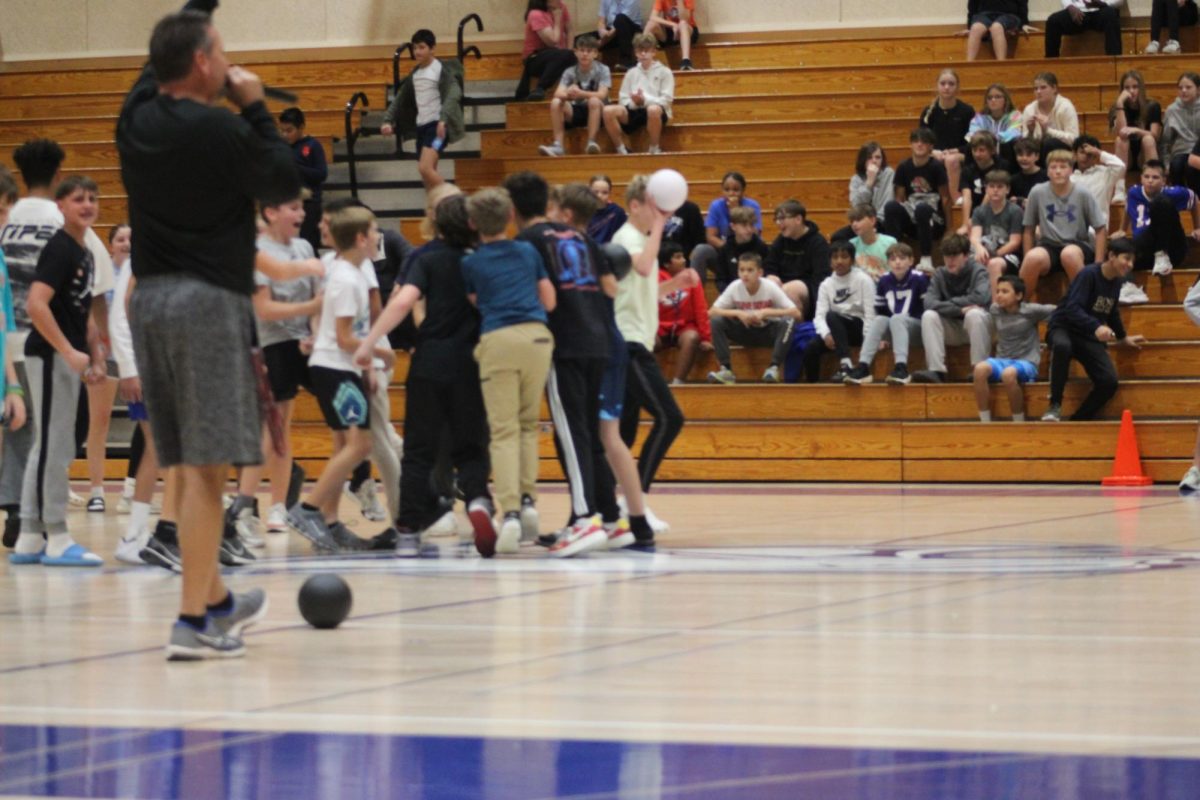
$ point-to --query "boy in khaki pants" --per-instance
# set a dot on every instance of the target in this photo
(508, 282)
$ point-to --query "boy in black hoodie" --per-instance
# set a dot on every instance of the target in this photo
(1081, 327)
(799, 257)
(743, 238)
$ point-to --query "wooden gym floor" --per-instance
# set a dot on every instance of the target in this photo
(804, 640)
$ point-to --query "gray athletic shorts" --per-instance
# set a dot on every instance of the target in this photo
(192, 341)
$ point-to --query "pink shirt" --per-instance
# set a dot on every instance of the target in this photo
(540, 20)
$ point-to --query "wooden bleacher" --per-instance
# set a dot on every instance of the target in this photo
(788, 109)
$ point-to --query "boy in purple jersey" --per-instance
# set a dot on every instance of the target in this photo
(1152, 219)
(899, 303)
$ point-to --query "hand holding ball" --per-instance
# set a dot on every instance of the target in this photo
(668, 190)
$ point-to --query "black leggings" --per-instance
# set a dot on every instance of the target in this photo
(625, 29)
(846, 331)
(897, 223)
(1092, 354)
(547, 65)
(1173, 15)
(1165, 233)
(645, 387)
(1182, 174)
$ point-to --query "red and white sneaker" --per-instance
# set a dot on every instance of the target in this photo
(586, 534)
(619, 534)
(480, 512)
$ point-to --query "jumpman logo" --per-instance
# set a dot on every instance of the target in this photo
(1053, 211)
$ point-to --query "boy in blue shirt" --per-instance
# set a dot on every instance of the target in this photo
(507, 281)
(1152, 219)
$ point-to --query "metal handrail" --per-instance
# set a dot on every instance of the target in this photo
(352, 134)
(396, 63)
(462, 23)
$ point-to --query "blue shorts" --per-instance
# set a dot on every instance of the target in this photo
(612, 385)
(137, 412)
(1026, 370)
(1010, 22)
(426, 134)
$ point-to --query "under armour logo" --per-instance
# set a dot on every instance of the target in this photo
(1053, 211)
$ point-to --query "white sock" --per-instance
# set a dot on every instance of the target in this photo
(28, 543)
(1018, 417)
(846, 364)
(57, 543)
(130, 485)
(139, 518)
(985, 416)
(97, 491)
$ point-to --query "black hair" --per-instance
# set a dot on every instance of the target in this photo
(39, 161)
(8, 187)
(922, 135)
(174, 43)
(1085, 139)
(667, 251)
(529, 192)
(1121, 246)
(337, 204)
(115, 229)
(841, 246)
(864, 154)
(1015, 281)
(536, 5)
(424, 36)
(737, 176)
(1154, 163)
(292, 116)
(73, 183)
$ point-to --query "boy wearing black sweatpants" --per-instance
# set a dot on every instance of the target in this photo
(1086, 320)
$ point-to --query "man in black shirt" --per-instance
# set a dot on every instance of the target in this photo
(193, 171)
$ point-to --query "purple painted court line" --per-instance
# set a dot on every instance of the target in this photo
(896, 490)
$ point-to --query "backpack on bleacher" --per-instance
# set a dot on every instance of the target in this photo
(802, 334)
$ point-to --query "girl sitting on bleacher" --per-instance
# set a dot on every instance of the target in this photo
(948, 118)
(1051, 119)
(733, 194)
(1000, 118)
(1181, 128)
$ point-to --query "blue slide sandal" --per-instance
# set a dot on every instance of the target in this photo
(74, 556)
(19, 559)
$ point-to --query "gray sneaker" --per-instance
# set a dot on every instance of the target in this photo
(722, 375)
(1053, 413)
(311, 525)
(346, 541)
(1171, 47)
(551, 150)
(408, 545)
(189, 644)
(233, 551)
(248, 608)
(161, 554)
(530, 522)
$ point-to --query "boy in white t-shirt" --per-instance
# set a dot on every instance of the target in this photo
(754, 313)
(340, 387)
(428, 106)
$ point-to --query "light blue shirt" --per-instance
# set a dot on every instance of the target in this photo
(609, 9)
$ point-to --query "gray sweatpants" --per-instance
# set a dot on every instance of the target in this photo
(53, 401)
(387, 448)
(899, 327)
(937, 331)
(776, 334)
(15, 453)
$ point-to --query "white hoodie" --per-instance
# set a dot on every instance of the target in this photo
(851, 295)
(656, 83)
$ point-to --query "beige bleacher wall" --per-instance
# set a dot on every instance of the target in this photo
(41, 29)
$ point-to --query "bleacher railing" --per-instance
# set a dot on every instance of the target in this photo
(352, 133)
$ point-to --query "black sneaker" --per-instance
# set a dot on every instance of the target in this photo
(859, 375)
(295, 485)
(686, 65)
(346, 541)
(839, 376)
(537, 94)
(12, 528)
(384, 540)
(928, 376)
(546, 539)
(899, 375)
(162, 554)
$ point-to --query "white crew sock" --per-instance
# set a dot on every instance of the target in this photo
(985, 416)
(1018, 417)
(139, 519)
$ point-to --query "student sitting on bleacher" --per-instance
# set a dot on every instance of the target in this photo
(609, 219)
(870, 247)
(733, 195)
(872, 179)
(682, 314)
(619, 21)
(949, 119)
(1018, 348)
(1136, 122)
(580, 97)
(899, 304)
(645, 99)
(845, 310)
(742, 238)
(1028, 174)
(545, 51)
(996, 229)
(922, 198)
(1086, 320)
(674, 22)
(752, 312)
(1078, 16)
(1181, 133)
(1000, 118)
(1097, 171)
(1152, 219)
(997, 19)
(955, 310)
(973, 186)
(1174, 13)
(798, 259)
(1051, 119)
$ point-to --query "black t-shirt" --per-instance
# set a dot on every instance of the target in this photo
(686, 228)
(726, 268)
(390, 263)
(973, 177)
(1022, 183)
(922, 183)
(66, 267)
(450, 330)
(193, 173)
(949, 125)
(575, 264)
(1134, 113)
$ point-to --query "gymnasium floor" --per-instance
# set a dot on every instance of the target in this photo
(810, 641)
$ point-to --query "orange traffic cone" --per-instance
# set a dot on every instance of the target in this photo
(1127, 466)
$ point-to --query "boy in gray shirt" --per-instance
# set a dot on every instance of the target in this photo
(955, 310)
(1018, 347)
(1063, 213)
(580, 97)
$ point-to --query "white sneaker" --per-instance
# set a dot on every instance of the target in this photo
(656, 524)
(1172, 47)
(958, 201)
(129, 550)
(585, 535)
(552, 150)
(277, 519)
(1132, 294)
(1191, 481)
(1119, 193)
(1162, 264)
(1152, 48)
(446, 525)
(771, 375)
(926, 265)
(723, 375)
(622, 150)
(124, 504)
(509, 538)
(592, 149)
(249, 527)
(76, 500)
(654, 150)
(368, 501)
(619, 534)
